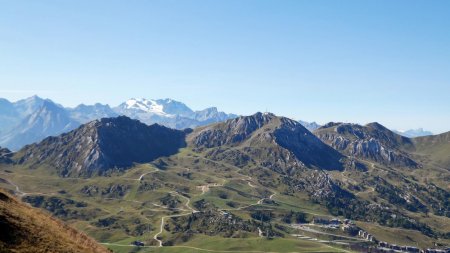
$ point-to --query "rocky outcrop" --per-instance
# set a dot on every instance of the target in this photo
(373, 142)
(231, 132)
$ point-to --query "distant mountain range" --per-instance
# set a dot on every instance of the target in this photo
(311, 126)
(411, 133)
(414, 133)
(30, 120)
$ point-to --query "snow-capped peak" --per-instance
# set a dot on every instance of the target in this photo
(146, 105)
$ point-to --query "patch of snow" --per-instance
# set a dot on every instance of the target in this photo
(146, 105)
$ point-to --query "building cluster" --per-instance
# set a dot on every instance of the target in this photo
(346, 225)
(365, 235)
(387, 247)
(349, 227)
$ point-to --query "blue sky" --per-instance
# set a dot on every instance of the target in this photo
(352, 61)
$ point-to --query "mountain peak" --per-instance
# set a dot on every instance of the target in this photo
(311, 126)
(412, 133)
(269, 131)
(46, 120)
(377, 125)
(103, 144)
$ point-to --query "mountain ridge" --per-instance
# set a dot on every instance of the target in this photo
(372, 141)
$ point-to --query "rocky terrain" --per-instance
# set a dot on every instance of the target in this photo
(372, 142)
(263, 132)
(103, 145)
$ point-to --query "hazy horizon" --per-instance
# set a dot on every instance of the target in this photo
(220, 109)
(348, 61)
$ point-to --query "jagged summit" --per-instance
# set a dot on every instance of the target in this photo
(232, 131)
(269, 131)
(372, 141)
(101, 145)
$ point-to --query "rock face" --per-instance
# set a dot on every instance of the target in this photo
(267, 131)
(101, 145)
(372, 141)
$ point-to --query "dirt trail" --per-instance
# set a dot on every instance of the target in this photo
(142, 176)
(161, 228)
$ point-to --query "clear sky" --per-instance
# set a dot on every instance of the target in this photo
(352, 61)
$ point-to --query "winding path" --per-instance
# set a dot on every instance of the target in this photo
(161, 227)
(21, 193)
(18, 191)
(143, 175)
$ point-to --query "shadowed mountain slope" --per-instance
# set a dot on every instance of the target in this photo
(269, 131)
(100, 145)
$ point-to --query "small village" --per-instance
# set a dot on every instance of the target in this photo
(349, 227)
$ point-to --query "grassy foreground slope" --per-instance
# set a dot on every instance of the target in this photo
(26, 229)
